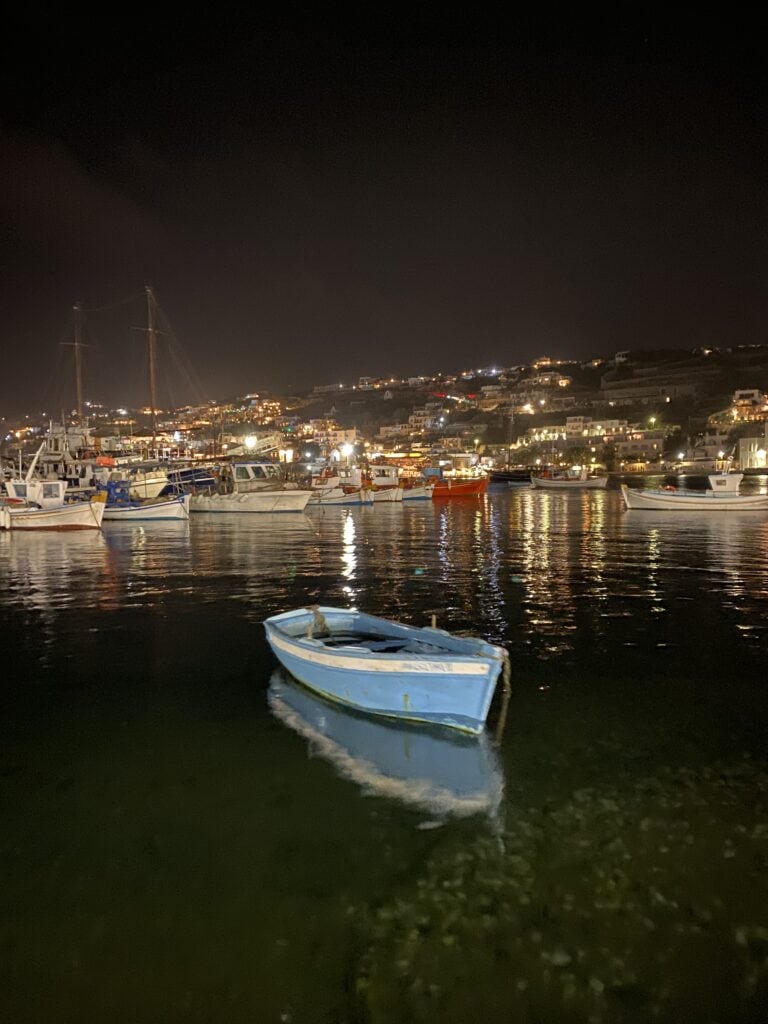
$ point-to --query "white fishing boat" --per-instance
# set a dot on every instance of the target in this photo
(149, 511)
(385, 483)
(573, 480)
(329, 489)
(722, 495)
(147, 484)
(342, 496)
(251, 487)
(77, 515)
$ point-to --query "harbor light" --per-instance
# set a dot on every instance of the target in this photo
(347, 449)
(250, 442)
(681, 455)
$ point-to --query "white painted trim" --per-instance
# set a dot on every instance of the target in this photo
(369, 664)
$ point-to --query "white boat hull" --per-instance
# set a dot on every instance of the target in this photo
(550, 484)
(688, 501)
(293, 500)
(173, 508)
(418, 493)
(80, 515)
(387, 494)
(338, 496)
(147, 486)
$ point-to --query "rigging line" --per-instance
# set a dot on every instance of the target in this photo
(121, 302)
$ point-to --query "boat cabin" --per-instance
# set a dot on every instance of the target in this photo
(726, 484)
(243, 477)
(43, 493)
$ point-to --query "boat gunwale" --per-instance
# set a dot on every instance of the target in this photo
(476, 648)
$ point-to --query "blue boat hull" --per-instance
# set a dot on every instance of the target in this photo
(453, 688)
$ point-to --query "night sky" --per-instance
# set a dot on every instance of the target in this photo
(401, 192)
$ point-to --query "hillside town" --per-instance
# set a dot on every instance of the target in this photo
(636, 412)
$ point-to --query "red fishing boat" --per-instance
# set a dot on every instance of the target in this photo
(460, 487)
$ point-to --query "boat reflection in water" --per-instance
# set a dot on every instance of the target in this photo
(432, 770)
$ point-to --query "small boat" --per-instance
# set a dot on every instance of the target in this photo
(76, 515)
(459, 487)
(251, 487)
(387, 668)
(40, 504)
(569, 481)
(122, 508)
(385, 483)
(330, 489)
(342, 496)
(435, 771)
(722, 495)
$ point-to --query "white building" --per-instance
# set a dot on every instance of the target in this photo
(752, 451)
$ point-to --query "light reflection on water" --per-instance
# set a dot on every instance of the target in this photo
(161, 823)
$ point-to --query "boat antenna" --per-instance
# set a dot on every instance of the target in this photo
(78, 345)
(78, 315)
(152, 337)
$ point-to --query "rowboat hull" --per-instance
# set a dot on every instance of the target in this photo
(459, 488)
(251, 501)
(338, 496)
(80, 515)
(549, 484)
(433, 770)
(173, 508)
(678, 501)
(452, 687)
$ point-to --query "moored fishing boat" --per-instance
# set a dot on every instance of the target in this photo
(388, 668)
(574, 481)
(121, 508)
(342, 496)
(251, 487)
(460, 487)
(385, 483)
(722, 495)
(77, 515)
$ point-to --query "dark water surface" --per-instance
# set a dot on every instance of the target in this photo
(187, 837)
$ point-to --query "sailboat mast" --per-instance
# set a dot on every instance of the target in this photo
(151, 333)
(78, 317)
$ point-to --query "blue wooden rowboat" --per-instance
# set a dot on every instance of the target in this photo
(387, 668)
